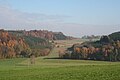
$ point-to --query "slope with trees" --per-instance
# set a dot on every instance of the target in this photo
(11, 46)
(107, 48)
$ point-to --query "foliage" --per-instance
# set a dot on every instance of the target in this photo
(10, 46)
(105, 40)
(115, 36)
(34, 41)
(17, 44)
(104, 49)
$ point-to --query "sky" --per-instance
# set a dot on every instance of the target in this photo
(72, 17)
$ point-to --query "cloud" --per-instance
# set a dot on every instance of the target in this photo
(79, 30)
(10, 18)
(14, 19)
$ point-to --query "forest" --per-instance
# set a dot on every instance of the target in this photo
(21, 43)
(39, 43)
(105, 49)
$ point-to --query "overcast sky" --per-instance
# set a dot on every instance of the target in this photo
(72, 17)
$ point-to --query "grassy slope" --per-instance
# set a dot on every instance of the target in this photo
(58, 69)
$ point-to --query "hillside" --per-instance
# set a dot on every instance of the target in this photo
(115, 36)
(12, 46)
(107, 49)
(46, 34)
(16, 43)
(32, 40)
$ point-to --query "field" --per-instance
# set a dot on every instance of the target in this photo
(46, 68)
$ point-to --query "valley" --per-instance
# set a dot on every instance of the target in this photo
(50, 68)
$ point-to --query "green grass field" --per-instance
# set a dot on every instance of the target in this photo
(55, 69)
(58, 69)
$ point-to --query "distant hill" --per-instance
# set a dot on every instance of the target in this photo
(39, 38)
(31, 40)
(46, 34)
(59, 36)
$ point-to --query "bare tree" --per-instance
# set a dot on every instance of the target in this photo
(32, 59)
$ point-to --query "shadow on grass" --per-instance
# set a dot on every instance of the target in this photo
(54, 58)
(66, 58)
(77, 59)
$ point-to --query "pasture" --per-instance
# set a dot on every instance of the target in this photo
(55, 69)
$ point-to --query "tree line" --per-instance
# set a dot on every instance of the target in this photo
(104, 49)
(12, 46)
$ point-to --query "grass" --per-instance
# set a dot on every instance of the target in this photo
(58, 69)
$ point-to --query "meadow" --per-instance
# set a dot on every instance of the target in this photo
(57, 69)
(46, 68)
